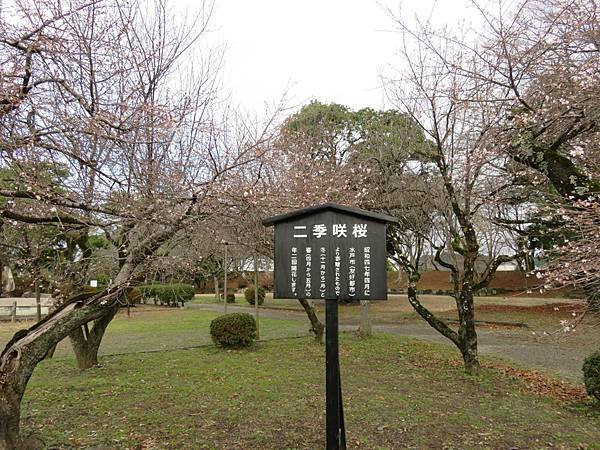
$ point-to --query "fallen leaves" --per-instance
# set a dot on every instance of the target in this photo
(539, 384)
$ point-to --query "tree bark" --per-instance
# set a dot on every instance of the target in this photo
(10, 413)
(25, 350)
(86, 343)
(316, 326)
(467, 332)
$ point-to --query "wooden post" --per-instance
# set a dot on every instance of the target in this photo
(225, 266)
(256, 295)
(216, 283)
(366, 328)
(13, 312)
(336, 438)
(38, 303)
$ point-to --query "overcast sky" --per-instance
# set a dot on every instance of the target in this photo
(328, 50)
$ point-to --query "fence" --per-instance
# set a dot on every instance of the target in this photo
(14, 309)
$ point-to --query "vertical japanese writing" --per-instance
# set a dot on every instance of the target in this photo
(294, 271)
(352, 272)
(308, 284)
(322, 271)
(337, 272)
(367, 273)
(330, 256)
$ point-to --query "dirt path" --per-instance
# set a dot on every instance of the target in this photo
(563, 357)
(553, 357)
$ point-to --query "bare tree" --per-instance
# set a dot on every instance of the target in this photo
(103, 89)
(467, 176)
(535, 65)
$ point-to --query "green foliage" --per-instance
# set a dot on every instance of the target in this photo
(235, 330)
(167, 294)
(98, 242)
(230, 297)
(591, 374)
(335, 133)
(249, 295)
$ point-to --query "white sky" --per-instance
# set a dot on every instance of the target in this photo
(328, 50)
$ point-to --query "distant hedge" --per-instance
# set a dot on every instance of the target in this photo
(249, 295)
(167, 294)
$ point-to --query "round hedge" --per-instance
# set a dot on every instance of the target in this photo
(249, 295)
(235, 330)
(591, 374)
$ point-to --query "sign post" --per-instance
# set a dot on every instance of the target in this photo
(225, 268)
(331, 252)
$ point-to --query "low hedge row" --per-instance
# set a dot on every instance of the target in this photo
(167, 294)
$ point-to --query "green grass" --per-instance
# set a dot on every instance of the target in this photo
(398, 393)
(158, 328)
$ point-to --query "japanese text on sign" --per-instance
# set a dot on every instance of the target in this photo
(338, 230)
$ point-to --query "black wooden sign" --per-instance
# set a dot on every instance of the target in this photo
(330, 252)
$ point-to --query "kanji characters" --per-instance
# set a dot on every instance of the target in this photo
(359, 230)
(319, 230)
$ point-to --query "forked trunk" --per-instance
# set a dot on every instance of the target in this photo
(316, 326)
(466, 338)
(21, 355)
(86, 342)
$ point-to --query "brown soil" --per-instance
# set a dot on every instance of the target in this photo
(555, 308)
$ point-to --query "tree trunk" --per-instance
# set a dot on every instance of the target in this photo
(86, 343)
(466, 316)
(10, 413)
(468, 340)
(316, 326)
(25, 350)
(216, 283)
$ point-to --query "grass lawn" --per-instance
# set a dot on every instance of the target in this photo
(157, 328)
(398, 393)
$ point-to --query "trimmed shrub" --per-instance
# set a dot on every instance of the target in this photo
(249, 295)
(167, 294)
(591, 374)
(230, 297)
(235, 330)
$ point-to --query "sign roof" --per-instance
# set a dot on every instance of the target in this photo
(298, 213)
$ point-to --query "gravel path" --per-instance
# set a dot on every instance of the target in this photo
(560, 357)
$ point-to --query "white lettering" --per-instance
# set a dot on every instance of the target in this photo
(359, 230)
